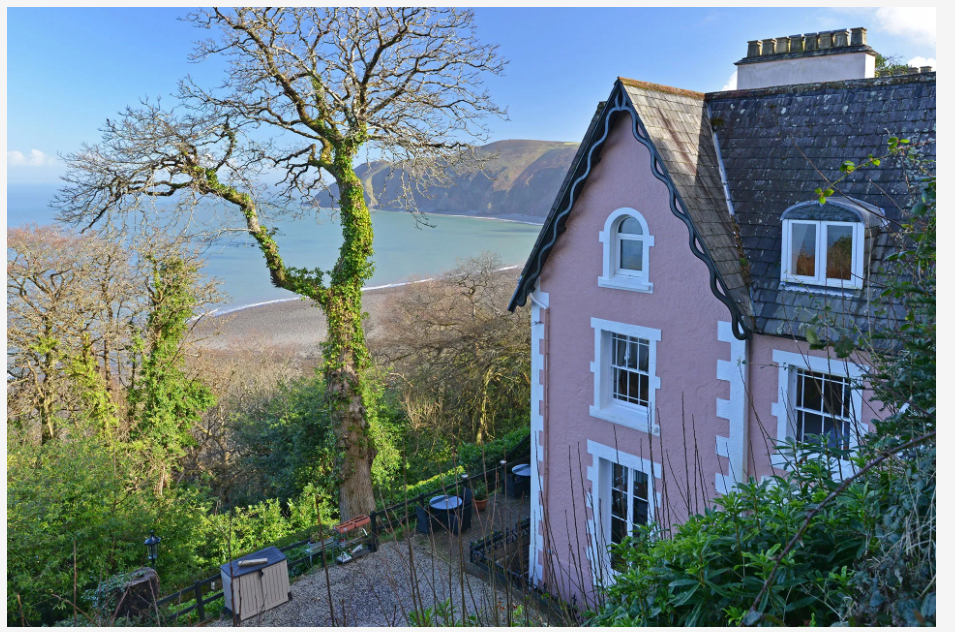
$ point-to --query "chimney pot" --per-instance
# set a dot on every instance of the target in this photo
(837, 55)
(858, 36)
(911, 70)
(926, 69)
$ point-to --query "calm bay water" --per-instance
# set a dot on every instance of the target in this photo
(402, 249)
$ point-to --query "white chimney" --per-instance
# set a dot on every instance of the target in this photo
(809, 58)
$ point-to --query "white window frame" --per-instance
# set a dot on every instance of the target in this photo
(599, 475)
(784, 408)
(613, 276)
(819, 278)
(605, 406)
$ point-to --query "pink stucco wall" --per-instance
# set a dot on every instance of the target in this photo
(681, 306)
(687, 314)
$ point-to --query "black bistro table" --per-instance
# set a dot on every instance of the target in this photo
(445, 512)
(519, 482)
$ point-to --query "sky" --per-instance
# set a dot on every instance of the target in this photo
(69, 69)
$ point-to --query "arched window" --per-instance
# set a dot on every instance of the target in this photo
(626, 243)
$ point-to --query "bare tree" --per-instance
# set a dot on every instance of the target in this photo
(51, 301)
(78, 299)
(324, 82)
(461, 358)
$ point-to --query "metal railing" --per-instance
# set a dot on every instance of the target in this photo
(392, 517)
(480, 553)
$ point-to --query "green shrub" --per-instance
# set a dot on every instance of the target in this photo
(446, 481)
(289, 440)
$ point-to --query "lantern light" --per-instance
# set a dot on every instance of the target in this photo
(152, 548)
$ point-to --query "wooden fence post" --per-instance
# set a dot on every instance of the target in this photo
(199, 607)
(373, 540)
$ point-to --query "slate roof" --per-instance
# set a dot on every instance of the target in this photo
(679, 127)
(775, 144)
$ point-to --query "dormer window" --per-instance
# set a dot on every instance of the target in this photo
(626, 243)
(824, 245)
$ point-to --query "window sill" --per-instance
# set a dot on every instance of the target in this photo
(625, 283)
(629, 417)
(797, 285)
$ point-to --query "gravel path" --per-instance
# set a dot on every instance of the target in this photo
(376, 590)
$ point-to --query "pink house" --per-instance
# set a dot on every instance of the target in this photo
(674, 279)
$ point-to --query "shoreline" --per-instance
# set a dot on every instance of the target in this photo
(292, 327)
(514, 218)
(216, 313)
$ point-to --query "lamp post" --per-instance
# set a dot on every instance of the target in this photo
(152, 548)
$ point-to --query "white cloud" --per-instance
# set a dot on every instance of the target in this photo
(35, 158)
(916, 24)
(918, 62)
(731, 82)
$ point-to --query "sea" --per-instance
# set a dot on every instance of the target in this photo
(405, 250)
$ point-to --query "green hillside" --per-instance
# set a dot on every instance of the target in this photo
(522, 178)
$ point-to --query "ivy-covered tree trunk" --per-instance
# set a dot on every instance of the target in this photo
(406, 81)
(345, 353)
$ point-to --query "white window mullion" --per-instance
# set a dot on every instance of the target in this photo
(820, 276)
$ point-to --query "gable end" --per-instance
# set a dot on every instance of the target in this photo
(620, 102)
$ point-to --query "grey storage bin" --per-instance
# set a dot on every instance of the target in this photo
(255, 589)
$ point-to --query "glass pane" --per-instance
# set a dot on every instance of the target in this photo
(844, 430)
(635, 379)
(630, 226)
(618, 504)
(640, 512)
(839, 252)
(834, 397)
(619, 350)
(810, 395)
(644, 358)
(620, 387)
(619, 477)
(618, 530)
(634, 353)
(644, 390)
(804, 249)
(833, 432)
(811, 425)
(631, 254)
(639, 485)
